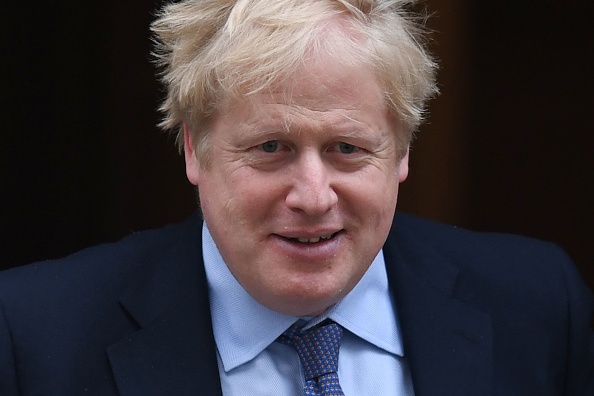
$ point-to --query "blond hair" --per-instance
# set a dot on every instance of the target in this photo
(212, 51)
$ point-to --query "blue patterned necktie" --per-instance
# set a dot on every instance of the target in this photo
(318, 352)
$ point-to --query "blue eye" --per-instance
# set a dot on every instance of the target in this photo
(270, 146)
(346, 148)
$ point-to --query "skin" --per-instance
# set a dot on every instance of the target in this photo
(322, 161)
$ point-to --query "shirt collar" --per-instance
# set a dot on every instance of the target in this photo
(243, 328)
(369, 311)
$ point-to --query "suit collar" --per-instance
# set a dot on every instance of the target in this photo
(448, 344)
(173, 353)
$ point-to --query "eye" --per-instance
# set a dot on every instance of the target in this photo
(346, 148)
(270, 146)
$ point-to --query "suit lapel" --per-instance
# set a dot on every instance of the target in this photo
(173, 353)
(447, 343)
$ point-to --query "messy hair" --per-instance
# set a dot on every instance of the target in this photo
(213, 51)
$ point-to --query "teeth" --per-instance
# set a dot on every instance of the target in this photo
(315, 240)
(308, 240)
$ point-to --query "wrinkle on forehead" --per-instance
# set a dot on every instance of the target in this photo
(288, 116)
(320, 96)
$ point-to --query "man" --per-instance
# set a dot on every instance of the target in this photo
(295, 119)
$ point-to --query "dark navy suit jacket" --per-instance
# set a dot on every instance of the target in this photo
(481, 314)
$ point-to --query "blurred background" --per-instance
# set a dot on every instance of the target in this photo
(508, 145)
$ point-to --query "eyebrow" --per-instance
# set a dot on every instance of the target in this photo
(258, 129)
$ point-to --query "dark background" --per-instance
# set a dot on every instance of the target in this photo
(508, 147)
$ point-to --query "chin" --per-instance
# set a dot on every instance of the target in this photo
(308, 302)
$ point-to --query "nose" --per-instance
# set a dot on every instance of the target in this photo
(311, 189)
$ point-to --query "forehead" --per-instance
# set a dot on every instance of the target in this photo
(320, 99)
(324, 85)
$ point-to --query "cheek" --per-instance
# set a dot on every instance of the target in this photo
(376, 192)
(375, 207)
(242, 199)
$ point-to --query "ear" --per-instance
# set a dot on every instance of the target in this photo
(192, 163)
(403, 167)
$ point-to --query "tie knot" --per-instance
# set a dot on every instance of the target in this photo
(317, 347)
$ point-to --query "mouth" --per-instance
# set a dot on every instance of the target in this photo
(312, 240)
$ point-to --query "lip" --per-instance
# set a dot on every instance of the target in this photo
(309, 252)
(294, 234)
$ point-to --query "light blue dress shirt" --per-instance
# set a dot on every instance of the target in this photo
(371, 359)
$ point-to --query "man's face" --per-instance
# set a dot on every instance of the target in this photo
(301, 190)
